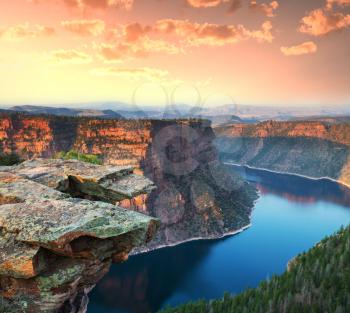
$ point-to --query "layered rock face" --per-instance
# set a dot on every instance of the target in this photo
(194, 198)
(311, 148)
(54, 248)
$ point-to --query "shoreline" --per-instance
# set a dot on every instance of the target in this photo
(288, 173)
(224, 235)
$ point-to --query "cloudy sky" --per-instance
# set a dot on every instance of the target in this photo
(256, 52)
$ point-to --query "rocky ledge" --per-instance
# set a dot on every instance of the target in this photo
(56, 240)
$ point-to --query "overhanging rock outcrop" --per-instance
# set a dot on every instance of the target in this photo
(54, 248)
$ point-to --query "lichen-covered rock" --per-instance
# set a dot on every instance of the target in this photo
(106, 183)
(53, 172)
(55, 248)
(54, 224)
(129, 186)
(15, 189)
(18, 259)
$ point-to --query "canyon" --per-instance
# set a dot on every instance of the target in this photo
(316, 149)
(195, 196)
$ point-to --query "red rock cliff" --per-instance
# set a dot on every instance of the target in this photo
(339, 133)
(312, 148)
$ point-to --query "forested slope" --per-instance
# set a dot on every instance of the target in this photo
(317, 281)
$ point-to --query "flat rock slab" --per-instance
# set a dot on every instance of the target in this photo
(54, 172)
(130, 186)
(98, 182)
(15, 189)
(73, 227)
(54, 224)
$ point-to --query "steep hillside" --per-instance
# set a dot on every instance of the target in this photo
(312, 148)
(316, 282)
(195, 196)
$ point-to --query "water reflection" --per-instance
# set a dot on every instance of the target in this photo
(295, 188)
(143, 287)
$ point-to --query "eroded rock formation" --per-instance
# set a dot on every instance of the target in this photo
(54, 248)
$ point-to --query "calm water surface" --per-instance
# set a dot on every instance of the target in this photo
(291, 215)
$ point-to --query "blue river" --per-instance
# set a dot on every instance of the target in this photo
(291, 215)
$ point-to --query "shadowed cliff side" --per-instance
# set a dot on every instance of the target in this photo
(197, 197)
(310, 148)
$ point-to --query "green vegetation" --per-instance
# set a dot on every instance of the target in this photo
(9, 159)
(74, 155)
(317, 281)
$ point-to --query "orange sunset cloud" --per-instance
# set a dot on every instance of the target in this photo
(85, 27)
(205, 3)
(304, 48)
(137, 74)
(266, 9)
(213, 34)
(69, 57)
(140, 49)
(341, 3)
(319, 22)
(97, 4)
(26, 31)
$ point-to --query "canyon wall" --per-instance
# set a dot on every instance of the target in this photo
(195, 196)
(310, 148)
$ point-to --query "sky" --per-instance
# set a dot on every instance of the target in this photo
(197, 52)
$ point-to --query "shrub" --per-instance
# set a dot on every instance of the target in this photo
(74, 155)
(9, 159)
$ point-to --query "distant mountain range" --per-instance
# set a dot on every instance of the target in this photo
(219, 115)
(36, 110)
